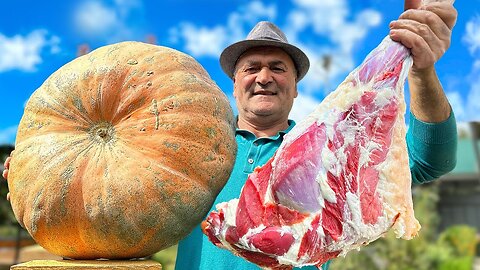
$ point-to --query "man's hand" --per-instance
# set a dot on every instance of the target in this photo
(6, 165)
(426, 30)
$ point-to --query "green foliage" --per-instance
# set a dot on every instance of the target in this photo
(6, 231)
(422, 252)
(166, 257)
(461, 238)
(460, 263)
(6, 213)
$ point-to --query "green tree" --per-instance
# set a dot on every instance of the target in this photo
(390, 253)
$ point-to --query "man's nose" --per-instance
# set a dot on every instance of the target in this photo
(264, 76)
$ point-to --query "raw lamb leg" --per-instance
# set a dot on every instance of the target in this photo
(339, 180)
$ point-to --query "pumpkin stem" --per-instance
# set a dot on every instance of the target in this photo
(102, 132)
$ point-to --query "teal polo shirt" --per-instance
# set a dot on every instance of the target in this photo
(432, 150)
(196, 251)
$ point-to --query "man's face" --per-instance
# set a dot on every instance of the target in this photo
(265, 83)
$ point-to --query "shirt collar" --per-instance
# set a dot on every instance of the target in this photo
(279, 134)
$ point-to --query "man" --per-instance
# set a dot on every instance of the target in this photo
(265, 70)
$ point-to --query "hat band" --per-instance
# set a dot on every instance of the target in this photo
(269, 38)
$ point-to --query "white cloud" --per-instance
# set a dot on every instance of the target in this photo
(473, 104)
(124, 7)
(329, 19)
(296, 22)
(7, 136)
(304, 104)
(469, 109)
(337, 31)
(203, 41)
(111, 23)
(329, 14)
(24, 52)
(255, 10)
(94, 18)
(457, 103)
(472, 34)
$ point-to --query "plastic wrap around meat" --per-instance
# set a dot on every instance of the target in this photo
(339, 180)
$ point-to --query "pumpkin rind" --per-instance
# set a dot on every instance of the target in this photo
(121, 152)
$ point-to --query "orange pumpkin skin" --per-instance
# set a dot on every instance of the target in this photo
(121, 152)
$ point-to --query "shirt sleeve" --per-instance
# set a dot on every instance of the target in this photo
(432, 148)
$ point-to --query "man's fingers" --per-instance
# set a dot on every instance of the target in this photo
(422, 55)
(8, 196)
(446, 12)
(438, 43)
(434, 14)
(411, 4)
(7, 162)
(6, 166)
(422, 22)
(426, 31)
(428, 2)
(5, 174)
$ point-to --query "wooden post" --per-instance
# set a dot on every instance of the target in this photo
(88, 265)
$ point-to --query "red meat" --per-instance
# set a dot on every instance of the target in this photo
(339, 180)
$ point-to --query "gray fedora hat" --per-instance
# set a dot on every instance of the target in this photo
(264, 34)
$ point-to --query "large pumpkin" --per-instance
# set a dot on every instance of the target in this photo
(121, 152)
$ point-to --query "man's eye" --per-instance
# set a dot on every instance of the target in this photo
(278, 69)
(251, 69)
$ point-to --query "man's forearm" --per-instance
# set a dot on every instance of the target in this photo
(428, 101)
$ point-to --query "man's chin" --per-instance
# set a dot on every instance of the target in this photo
(264, 112)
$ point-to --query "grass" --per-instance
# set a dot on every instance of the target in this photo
(166, 257)
(10, 231)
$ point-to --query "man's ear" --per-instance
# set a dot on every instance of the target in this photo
(234, 88)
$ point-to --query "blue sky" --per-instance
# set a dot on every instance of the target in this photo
(38, 37)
